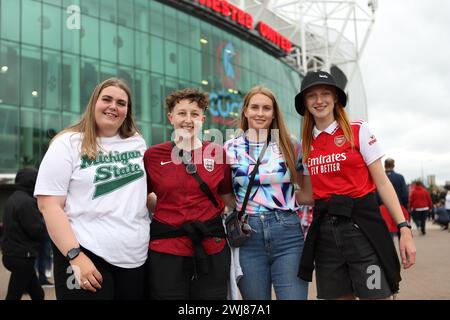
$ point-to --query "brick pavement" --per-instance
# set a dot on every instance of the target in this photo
(429, 279)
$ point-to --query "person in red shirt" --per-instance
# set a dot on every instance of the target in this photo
(348, 242)
(420, 204)
(188, 254)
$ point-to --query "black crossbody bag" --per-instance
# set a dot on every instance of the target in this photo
(237, 229)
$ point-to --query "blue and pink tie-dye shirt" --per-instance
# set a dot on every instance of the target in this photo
(272, 189)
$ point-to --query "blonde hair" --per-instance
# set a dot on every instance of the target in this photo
(285, 142)
(307, 133)
(87, 125)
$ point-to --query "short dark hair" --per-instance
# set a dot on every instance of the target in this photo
(191, 94)
(389, 163)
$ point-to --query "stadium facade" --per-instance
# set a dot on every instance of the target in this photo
(54, 52)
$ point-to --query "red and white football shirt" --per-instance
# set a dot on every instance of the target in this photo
(180, 199)
(336, 168)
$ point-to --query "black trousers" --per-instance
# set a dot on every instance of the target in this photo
(420, 219)
(23, 278)
(171, 277)
(118, 283)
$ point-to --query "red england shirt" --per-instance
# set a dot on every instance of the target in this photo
(180, 199)
(336, 168)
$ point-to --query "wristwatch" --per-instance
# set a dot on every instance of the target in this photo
(73, 253)
(403, 224)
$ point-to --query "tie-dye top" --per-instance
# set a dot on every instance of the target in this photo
(272, 188)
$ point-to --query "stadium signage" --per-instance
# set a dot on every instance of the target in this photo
(245, 20)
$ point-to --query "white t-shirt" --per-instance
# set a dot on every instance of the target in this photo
(105, 198)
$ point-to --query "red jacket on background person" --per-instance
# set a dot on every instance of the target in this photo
(420, 198)
(390, 223)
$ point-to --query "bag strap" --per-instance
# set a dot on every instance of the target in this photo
(203, 186)
(252, 178)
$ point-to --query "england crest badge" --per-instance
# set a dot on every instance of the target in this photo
(208, 164)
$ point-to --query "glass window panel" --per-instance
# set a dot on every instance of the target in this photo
(125, 43)
(90, 7)
(31, 22)
(54, 2)
(89, 79)
(108, 10)
(30, 135)
(142, 15)
(170, 59)
(156, 18)
(69, 119)
(157, 106)
(245, 55)
(183, 28)
(157, 54)
(66, 3)
(51, 125)
(51, 27)
(71, 37)
(158, 135)
(10, 73)
(108, 41)
(127, 75)
(107, 70)
(170, 23)
(31, 77)
(205, 34)
(51, 85)
(217, 39)
(196, 66)
(184, 62)
(142, 95)
(71, 83)
(142, 52)
(125, 15)
(10, 19)
(194, 30)
(146, 132)
(207, 68)
(170, 85)
(9, 138)
(89, 37)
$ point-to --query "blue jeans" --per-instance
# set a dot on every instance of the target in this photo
(272, 256)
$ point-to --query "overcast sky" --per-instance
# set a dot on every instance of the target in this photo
(406, 72)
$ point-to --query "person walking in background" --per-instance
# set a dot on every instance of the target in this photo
(272, 253)
(44, 261)
(24, 230)
(447, 198)
(442, 215)
(347, 236)
(420, 204)
(91, 190)
(191, 183)
(399, 184)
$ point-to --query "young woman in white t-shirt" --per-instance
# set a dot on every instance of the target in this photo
(91, 189)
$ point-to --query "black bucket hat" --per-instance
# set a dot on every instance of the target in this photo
(314, 78)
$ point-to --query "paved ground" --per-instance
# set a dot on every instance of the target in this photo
(429, 279)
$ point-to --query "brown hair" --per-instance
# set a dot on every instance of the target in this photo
(389, 163)
(285, 142)
(87, 125)
(307, 133)
(191, 94)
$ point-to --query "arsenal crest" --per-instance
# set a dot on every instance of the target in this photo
(208, 164)
(339, 140)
